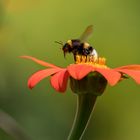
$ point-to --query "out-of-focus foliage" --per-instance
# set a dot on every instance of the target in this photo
(30, 27)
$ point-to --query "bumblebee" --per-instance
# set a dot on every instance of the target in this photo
(80, 46)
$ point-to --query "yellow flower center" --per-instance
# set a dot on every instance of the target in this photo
(91, 60)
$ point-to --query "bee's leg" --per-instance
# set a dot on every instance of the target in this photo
(74, 57)
(86, 58)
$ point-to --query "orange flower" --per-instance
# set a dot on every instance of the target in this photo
(83, 67)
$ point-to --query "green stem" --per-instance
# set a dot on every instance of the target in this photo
(11, 127)
(85, 105)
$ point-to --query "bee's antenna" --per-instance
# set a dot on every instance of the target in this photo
(59, 42)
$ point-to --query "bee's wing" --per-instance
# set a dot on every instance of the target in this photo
(88, 31)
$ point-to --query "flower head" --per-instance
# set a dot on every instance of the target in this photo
(84, 66)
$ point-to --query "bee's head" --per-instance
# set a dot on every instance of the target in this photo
(67, 47)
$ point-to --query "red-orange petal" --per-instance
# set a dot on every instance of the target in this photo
(129, 67)
(135, 74)
(43, 63)
(79, 71)
(110, 75)
(59, 80)
(38, 76)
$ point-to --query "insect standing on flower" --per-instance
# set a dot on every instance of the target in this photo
(80, 46)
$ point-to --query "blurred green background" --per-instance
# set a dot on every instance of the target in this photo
(30, 27)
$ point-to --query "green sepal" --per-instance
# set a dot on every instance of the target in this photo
(94, 83)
